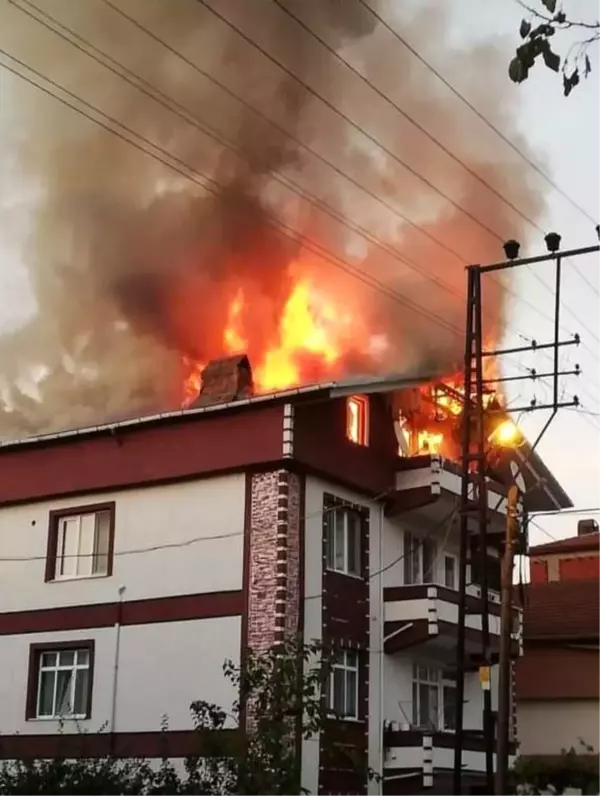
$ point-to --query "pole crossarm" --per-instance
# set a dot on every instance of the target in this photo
(535, 406)
(533, 347)
(533, 375)
(542, 258)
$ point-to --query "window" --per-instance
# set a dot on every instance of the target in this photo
(357, 420)
(450, 572)
(343, 686)
(419, 560)
(434, 699)
(60, 681)
(342, 539)
(80, 542)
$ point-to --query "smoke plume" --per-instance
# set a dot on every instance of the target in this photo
(133, 264)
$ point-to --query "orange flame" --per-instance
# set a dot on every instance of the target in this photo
(310, 326)
(312, 337)
(302, 331)
(234, 341)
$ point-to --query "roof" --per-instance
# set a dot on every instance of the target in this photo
(562, 610)
(541, 484)
(332, 389)
(574, 544)
(557, 673)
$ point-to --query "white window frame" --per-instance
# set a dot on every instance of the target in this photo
(75, 668)
(347, 664)
(454, 559)
(414, 574)
(433, 678)
(361, 403)
(95, 564)
(331, 541)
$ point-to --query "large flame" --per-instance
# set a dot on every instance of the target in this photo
(313, 336)
(310, 327)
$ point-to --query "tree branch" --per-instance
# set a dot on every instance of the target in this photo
(568, 23)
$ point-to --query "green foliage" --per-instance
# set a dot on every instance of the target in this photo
(570, 769)
(538, 30)
(280, 696)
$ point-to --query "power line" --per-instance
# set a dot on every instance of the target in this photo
(174, 107)
(492, 127)
(119, 75)
(81, 38)
(477, 112)
(307, 148)
(185, 543)
(373, 139)
(208, 184)
(593, 510)
(211, 132)
(368, 135)
(421, 129)
(346, 118)
(405, 115)
(449, 518)
(543, 530)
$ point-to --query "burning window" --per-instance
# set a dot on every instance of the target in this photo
(357, 420)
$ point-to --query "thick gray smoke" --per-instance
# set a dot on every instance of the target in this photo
(133, 264)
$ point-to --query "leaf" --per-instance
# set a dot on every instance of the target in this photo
(551, 59)
(588, 65)
(517, 71)
(570, 82)
(526, 53)
(525, 28)
(550, 5)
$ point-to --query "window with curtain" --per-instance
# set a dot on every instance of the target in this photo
(419, 559)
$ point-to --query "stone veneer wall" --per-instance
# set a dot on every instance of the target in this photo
(274, 558)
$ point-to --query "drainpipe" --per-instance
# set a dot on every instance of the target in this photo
(113, 708)
(380, 645)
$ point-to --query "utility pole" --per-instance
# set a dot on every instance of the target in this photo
(474, 509)
(504, 680)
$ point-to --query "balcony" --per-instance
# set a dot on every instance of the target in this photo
(428, 615)
(423, 759)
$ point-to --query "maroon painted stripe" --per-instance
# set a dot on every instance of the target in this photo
(171, 743)
(136, 612)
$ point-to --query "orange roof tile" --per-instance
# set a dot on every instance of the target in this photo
(549, 672)
(574, 544)
(562, 610)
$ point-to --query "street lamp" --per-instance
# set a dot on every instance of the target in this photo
(506, 435)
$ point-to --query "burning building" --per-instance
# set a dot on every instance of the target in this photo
(254, 210)
(149, 550)
(250, 249)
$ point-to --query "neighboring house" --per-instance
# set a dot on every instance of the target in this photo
(558, 677)
(568, 559)
(135, 557)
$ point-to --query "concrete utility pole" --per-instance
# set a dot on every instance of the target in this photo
(504, 680)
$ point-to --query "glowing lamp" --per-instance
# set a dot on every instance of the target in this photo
(506, 434)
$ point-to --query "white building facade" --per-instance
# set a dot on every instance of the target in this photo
(136, 558)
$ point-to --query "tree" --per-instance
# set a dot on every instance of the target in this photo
(280, 697)
(280, 700)
(537, 31)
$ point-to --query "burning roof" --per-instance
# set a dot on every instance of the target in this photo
(308, 225)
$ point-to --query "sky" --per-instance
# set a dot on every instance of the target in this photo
(563, 134)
